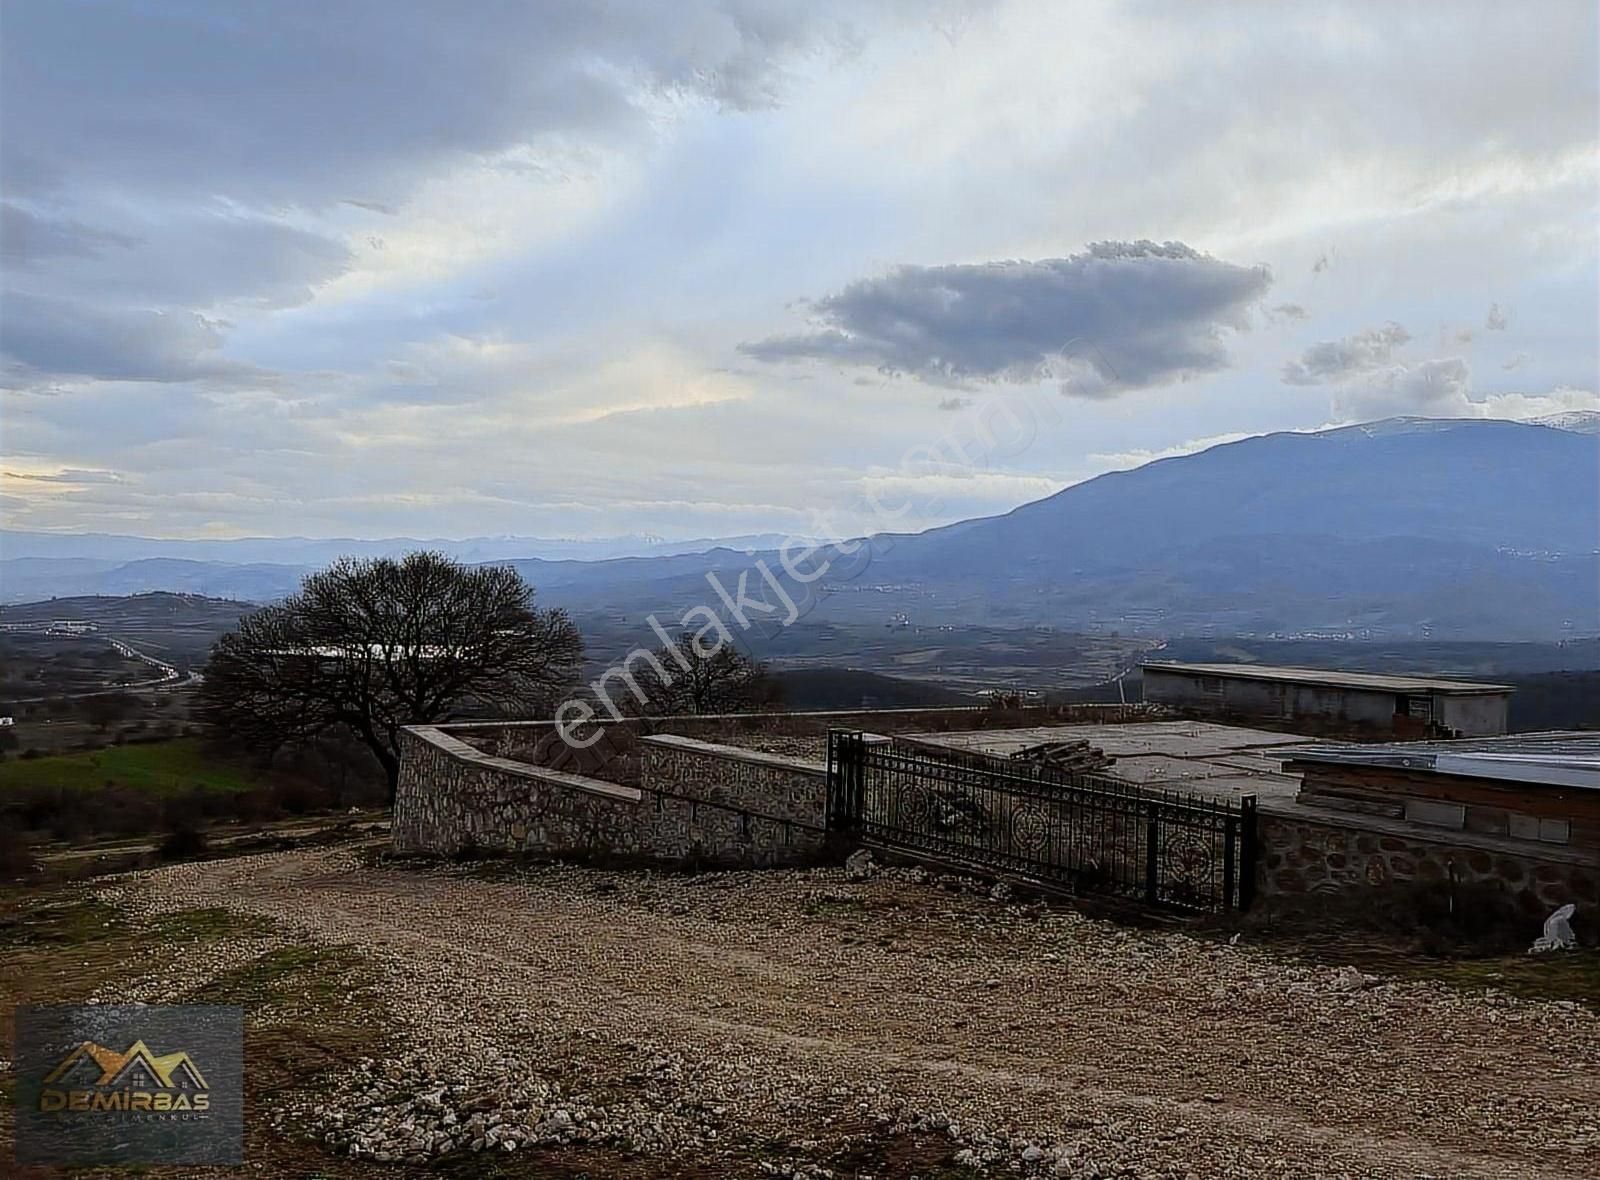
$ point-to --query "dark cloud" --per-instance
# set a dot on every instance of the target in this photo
(1291, 311)
(27, 238)
(1137, 313)
(201, 143)
(1337, 360)
(146, 306)
(42, 336)
(289, 103)
(202, 260)
(955, 403)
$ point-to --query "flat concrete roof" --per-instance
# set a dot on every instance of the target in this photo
(1372, 681)
(1189, 757)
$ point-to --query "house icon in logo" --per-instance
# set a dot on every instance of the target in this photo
(95, 1065)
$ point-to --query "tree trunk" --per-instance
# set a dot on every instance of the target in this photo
(387, 757)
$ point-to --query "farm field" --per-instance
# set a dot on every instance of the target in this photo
(159, 768)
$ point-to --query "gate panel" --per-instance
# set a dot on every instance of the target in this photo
(1084, 833)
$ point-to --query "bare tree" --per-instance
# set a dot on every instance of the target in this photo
(372, 646)
(683, 679)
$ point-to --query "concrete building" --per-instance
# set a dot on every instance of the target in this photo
(1405, 706)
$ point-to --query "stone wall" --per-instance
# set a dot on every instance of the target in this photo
(1301, 854)
(725, 803)
(779, 788)
(704, 803)
(452, 798)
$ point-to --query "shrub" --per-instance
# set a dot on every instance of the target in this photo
(16, 857)
(184, 839)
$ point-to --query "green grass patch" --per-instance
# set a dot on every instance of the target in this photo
(52, 922)
(207, 925)
(296, 978)
(159, 768)
(1562, 975)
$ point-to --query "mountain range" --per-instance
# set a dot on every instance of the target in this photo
(1462, 527)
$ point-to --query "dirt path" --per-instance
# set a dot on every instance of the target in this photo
(811, 1010)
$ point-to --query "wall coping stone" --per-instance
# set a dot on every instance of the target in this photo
(780, 715)
(734, 753)
(465, 752)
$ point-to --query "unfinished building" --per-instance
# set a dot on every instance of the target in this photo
(1319, 700)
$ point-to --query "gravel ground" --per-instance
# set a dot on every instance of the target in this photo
(796, 1018)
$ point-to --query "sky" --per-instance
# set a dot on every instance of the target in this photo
(376, 268)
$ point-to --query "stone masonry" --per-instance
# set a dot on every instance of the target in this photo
(700, 803)
(1301, 854)
(453, 797)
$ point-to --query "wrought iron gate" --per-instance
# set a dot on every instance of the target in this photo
(1085, 833)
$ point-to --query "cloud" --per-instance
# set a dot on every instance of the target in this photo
(47, 337)
(955, 403)
(1337, 360)
(1289, 311)
(249, 216)
(1138, 313)
(1442, 388)
(1431, 386)
(1432, 389)
(291, 105)
(27, 238)
(77, 476)
(177, 170)
(212, 258)
(1496, 319)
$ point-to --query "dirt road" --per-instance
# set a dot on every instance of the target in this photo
(808, 1014)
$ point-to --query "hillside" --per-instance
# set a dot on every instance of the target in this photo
(179, 628)
(1464, 528)
(1482, 483)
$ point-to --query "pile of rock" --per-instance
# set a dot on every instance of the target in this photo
(410, 1110)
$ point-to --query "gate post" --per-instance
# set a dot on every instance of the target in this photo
(846, 775)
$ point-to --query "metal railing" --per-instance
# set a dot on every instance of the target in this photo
(1083, 833)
